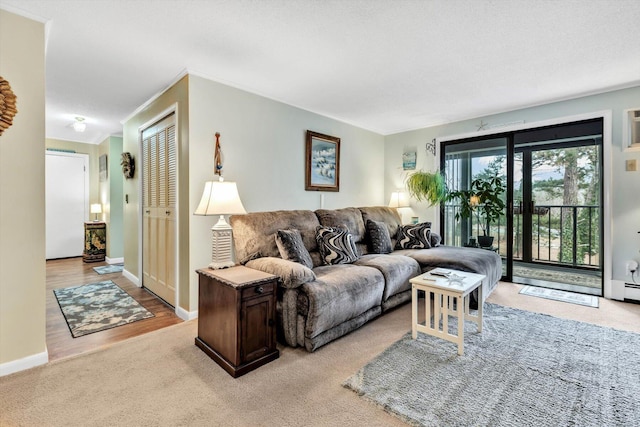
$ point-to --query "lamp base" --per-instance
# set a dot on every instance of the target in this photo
(221, 265)
(221, 245)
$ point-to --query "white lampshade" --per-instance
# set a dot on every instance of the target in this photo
(95, 208)
(220, 198)
(399, 199)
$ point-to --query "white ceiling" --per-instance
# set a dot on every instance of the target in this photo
(383, 65)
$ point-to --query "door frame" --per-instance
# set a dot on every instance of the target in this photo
(85, 158)
(606, 116)
(173, 109)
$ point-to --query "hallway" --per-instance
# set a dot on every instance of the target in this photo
(66, 272)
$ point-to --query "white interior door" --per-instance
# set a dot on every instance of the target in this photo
(67, 203)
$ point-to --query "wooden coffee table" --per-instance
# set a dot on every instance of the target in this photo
(445, 292)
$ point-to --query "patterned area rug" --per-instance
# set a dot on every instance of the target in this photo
(524, 369)
(557, 295)
(98, 306)
(107, 269)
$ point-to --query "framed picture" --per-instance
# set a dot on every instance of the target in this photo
(409, 160)
(103, 167)
(322, 162)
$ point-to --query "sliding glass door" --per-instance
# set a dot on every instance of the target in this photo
(551, 231)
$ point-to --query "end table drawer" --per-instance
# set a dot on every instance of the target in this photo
(257, 290)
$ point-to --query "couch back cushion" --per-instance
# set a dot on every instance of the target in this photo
(254, 234)
(349, 218)
(389, 216)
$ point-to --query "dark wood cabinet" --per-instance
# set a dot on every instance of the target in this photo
(95, 241)
(236, 318)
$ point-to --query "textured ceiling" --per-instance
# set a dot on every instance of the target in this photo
(387, 66)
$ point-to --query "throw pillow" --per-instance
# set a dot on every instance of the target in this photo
(379, 238)
(414, 236)
(336, 245)
(292, 248)
(435, 239)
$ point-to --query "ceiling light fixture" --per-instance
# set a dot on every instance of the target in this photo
(79, 125)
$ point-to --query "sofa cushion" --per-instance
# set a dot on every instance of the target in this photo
(292, 274)
(254, 233)
(396, 269)
(379, 238)
(389, 216)
(340, 293)
(292, 248)
(414, 236)
(349, 218)
(336, 245)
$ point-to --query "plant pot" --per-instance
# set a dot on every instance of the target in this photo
(485, 241)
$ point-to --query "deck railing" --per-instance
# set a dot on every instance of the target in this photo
(566, 235)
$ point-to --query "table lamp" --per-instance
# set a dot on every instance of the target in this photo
(221, 198)
(96, 208)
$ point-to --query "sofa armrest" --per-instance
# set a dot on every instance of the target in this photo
(293, 274)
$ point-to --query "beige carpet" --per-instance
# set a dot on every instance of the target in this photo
(162, 378)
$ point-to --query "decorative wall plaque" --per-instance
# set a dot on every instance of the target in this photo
(7, 105)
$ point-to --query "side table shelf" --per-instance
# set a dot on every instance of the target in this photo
(237, 318)
(95, 241)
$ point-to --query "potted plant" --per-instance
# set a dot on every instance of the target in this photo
(483, 199)
(427, 186)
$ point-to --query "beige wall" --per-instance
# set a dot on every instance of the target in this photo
(177, 96)
(263, 145)
(22, 210)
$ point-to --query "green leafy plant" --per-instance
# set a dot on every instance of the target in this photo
(427, 186)
(482, 198)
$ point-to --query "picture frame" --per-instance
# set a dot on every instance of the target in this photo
(322, 171)
(409, 160)
(102, 167)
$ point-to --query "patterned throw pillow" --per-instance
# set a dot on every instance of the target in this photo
(379, 238)
(414, 236)
(292, 248)
(336, 245)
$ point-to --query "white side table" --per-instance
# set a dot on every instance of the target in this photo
(444, 294)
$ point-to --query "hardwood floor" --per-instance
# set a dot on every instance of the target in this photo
(72, 271)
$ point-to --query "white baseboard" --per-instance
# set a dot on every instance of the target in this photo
(186, 315)
(114, 260)
(131, 277)
(24, 363)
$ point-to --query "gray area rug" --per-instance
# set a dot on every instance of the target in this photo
(108, 269)
(524, 369)
(98, 306)
(557, 295)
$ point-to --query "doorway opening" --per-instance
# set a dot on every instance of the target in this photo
(550, 233)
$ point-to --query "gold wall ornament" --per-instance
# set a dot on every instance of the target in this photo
(7, 105)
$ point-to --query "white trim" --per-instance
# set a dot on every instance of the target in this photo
(28, 362)
(114, 260)
(626, 143)
(128, 275)
(607, 163)
(186, 315)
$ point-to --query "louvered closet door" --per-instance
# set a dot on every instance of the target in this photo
(159, 219)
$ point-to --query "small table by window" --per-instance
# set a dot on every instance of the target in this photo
(444, 292)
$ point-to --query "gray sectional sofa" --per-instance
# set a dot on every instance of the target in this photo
(323, 296)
